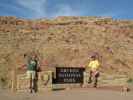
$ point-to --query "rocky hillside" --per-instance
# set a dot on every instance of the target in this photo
(67, 41)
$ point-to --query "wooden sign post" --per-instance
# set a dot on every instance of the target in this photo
(14, 80)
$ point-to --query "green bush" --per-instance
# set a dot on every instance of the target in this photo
(3, 76)
(3, 82)
(130, 80)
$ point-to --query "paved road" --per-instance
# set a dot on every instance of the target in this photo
(75, 94)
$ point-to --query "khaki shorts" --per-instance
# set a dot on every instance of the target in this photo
(31, 74)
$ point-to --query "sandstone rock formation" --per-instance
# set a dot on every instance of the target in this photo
(67, 41)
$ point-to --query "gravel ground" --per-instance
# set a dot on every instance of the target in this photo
(74, 94)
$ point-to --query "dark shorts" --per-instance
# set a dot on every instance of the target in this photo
(94, 73)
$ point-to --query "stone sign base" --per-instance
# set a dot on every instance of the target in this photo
(44, 81)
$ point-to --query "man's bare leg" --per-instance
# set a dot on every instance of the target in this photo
(96, 79)
(90, 77)
(30, 84)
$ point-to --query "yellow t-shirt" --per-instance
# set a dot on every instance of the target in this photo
(94, 65)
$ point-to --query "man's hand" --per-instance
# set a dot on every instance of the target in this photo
(23, 67)
(39, 69)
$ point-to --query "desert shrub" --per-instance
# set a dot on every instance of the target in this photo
(130, 80)
(3, 77)
(3, 82)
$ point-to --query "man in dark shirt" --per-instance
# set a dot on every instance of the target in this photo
(32, 68)
(32, 72)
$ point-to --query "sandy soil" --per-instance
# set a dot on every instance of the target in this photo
(74, 94)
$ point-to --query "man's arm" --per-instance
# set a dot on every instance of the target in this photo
(22, 67)
(39, 66)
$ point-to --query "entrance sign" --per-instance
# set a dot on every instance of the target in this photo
(69, 75)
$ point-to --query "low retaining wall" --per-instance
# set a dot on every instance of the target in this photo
(44, 82)
(21, 82)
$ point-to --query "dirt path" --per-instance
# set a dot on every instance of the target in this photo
(75, 94)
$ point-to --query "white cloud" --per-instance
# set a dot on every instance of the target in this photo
(66, 10)
(36, 7)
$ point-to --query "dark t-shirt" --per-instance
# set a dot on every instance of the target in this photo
(32, 65)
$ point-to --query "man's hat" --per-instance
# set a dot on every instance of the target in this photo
(94, 55)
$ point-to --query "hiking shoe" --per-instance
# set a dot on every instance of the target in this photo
(95, 86)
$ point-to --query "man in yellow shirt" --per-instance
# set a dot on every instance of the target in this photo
(93, 67)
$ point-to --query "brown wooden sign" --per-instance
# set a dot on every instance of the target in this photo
(69, 75)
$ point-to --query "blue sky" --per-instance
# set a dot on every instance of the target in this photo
(118, 9)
